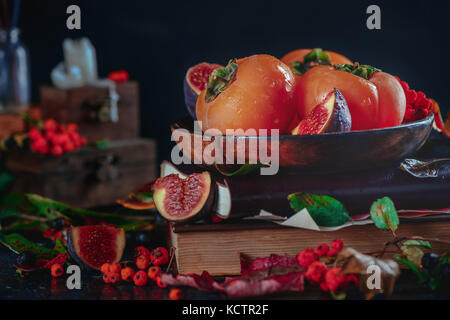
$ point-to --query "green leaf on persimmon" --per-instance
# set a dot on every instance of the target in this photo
(325, 210)
(384, 215)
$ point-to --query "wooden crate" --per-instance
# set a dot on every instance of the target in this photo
(82, 106)
(87, 177)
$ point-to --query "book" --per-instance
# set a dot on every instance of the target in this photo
(247, 195)
(216, 247)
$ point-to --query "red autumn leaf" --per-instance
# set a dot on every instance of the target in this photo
(268, 263)
(60, 259)
(259, 277)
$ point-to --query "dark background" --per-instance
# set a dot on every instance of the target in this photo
(156, 42)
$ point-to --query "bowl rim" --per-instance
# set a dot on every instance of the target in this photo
(427, 120)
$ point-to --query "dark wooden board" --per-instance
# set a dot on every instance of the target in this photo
(88, 177)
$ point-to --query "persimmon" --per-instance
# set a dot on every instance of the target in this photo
(256, 92)
(298, 56)
(375, 98)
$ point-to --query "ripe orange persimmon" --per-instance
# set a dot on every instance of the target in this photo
(375, 99)
(251, 93)
(297, 56)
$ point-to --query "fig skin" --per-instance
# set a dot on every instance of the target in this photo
(200, 211)
(341, 120)
(338, 120)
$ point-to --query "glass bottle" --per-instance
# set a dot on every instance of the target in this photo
(14, 72)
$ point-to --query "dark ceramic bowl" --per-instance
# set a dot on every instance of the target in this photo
(330, 152)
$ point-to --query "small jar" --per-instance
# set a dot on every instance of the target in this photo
(15, 87)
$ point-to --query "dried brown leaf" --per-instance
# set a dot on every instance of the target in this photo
(355, 262)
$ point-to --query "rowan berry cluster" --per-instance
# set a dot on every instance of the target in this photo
(148, 265)
(317, 272)
(55, 139)
(418, 106)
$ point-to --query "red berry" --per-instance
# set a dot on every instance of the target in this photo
(60, 138)
(316, 271)
(351, 278)
(56, 270)
(337, 244)
(160, 283)
(332, 252)
(333, 279)
(40, 145)
(72, 127)
(106, 277)
(68, 146)
(127, 274)
(105, 268)
(142, 262)
(141, 251)
(50, 125)
(306, 257)
(114, 277)
(175, 294)
(56, 150)
(35, 133)
(322, 249)
(115, 268)
(118, 76)
(140, 278)
(159, 256)
(153, 272)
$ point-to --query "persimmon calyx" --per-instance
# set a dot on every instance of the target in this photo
(220, 79)
(315, 57)
(361, 70)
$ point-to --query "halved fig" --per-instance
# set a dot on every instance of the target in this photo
(181, 200)
(331, 115)
(95, 245)
(195, 81)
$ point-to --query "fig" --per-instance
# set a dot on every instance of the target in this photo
(92, 246)
(195, 81)
(331, 115)
(184, 199)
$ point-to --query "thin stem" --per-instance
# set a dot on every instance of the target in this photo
(172, 255)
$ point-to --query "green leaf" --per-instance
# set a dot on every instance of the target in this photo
(5, 181)
(242, 170)
(19, 244)
(59, 246)
(8, 213)
(338, 296)
(384, 215)
(421, 275)
(325, 211)
(417, 242)
(50, 207)
(102, 143)
(138, 225)
(413, 254)
(220, 79)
